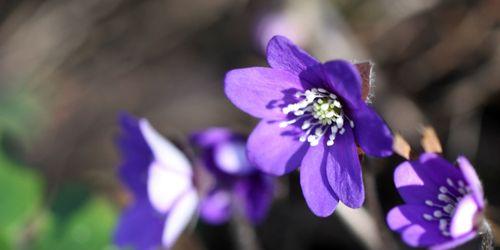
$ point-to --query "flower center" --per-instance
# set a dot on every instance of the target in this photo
(320, 113)
(445, 204)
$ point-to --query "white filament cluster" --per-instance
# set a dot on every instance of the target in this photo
(445, 204)
(320, 113)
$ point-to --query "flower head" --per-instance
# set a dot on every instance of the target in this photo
(313, 116)
(443, 203)
(238, 184)
(160, 178)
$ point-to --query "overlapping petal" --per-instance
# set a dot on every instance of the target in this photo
(415, 230)
(420, 180)
(165, 186)
(136, 156)
(317, 192)
(453, 243)
(261, 92)
(179, 217)
(275, 150)
(371, 132)
(164, 151)
(472, 180)
(255, 194)
(463, 220)
(231, 158)
(212, 136)
(284, 55)
(343, 170)
(130, 228)
(344, 80)
(216, 206)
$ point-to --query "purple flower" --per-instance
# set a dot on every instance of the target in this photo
(313, 116)
(160, 178)
(237, 184)
(443, 202)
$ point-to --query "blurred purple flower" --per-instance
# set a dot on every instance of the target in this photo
(160, 178)
(443, 202)
(238, 184)
(306, 107)
(280, 23)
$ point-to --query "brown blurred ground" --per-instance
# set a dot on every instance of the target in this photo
(438, 63)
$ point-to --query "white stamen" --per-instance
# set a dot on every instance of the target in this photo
(449, 208)
(306, 125)
(444, 197)
(450, 182)
(443, 224)
(337, 104)
(438, 214)
(428, 217)
(318, 110)
(325, 106)
(286, 123)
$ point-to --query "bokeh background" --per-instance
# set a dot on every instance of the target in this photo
(68, 67)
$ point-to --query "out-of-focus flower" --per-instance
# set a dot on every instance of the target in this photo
(160, 178)
(238, 184)
(313, 114)
(444, 203)
(279, 23)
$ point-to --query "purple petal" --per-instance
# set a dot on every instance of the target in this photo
(418, 235)
(216, 206)
(453, 243)
(401, 217)
(222, 151)
(165, 186)
(414, 229)
(317, 192)
(275, 150)
(213, 136)
(343, 170)
(284, 55)
(412, 185)
(130, 228)
(371, 132)
(255, 193)
(420, 180)
(164, 151)
(464, 216)
(179, 217)
(471, 179)
(343, 79)
(261, 91)
(136, 156)
(231, 158)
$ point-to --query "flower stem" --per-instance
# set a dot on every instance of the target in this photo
(486, 236)
(362, 225)
(375, 209)
(244, 234)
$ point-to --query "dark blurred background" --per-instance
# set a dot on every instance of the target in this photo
(68, 67)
